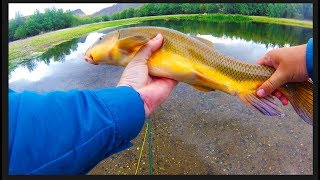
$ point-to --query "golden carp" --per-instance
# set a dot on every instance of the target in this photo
(194, 61)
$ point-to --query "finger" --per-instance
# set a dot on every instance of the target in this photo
(145, 52)
(277, 94)
(276, 80)
(166, 82)
(156, 42)
(284, 100)
(281, 97)
(269, 59)
(265, 60)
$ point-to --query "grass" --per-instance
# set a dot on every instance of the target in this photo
(25, 49)
(283, 21)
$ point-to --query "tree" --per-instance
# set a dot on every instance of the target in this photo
(307, 11)
(105, 18)
(14, 24)
(123, 14)
(115, 16)
(20, 33)
(130, 13)
(213, 8)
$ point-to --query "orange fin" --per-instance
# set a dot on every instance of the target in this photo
(130, 43)
(300, 96)
(201, 88)
(266, 105)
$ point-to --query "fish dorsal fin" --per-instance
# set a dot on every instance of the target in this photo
(205, 41)
(130, 43)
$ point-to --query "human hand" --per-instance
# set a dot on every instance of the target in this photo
(290, 65)
(153, 90)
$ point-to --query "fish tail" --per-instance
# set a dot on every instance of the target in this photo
(300, 96)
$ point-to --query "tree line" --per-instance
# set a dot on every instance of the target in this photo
(280, 10)
(54, 19)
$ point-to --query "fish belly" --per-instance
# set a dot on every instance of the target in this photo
(170, 65)
(166, 64)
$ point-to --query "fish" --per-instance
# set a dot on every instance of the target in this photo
(194, 60)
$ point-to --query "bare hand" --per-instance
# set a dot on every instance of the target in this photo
(153, 90)
(290, 65)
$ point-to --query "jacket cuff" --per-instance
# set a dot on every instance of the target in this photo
(309, 57)
(127, 109)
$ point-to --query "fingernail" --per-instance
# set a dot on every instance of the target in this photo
(261, 92)
(278, 94)
(158, 36)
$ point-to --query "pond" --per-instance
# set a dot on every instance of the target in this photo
(193, 132)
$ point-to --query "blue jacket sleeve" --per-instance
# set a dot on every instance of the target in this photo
(309, 57)
(70, 132)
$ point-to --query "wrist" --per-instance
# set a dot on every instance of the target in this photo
(125, 85)
(146, 102)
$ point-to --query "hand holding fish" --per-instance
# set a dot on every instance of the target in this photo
(153, 90)
(290, 65)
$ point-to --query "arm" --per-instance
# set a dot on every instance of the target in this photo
(70, 132)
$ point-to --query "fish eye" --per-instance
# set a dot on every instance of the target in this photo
(101, 38)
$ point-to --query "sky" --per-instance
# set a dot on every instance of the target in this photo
(28, 8)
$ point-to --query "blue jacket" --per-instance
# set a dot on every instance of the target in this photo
(309, 57)
(70, 132)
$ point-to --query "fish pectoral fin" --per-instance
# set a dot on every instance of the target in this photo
(205, 41)
(129, 44)
(202, 88)
(212, 84)
(265, 105)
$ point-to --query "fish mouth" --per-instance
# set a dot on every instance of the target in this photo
(89, 59)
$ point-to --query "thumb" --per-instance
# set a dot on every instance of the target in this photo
(276, 80)
(145, 52)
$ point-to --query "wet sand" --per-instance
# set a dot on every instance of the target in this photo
(195, 132)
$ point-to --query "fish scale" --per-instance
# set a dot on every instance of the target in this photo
(226, 65)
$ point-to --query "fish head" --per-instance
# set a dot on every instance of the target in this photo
(114, 49)
(101, 51)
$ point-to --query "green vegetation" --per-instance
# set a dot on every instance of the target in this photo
(53, 19)
(241, 18)
(283, 21)
(280, 10)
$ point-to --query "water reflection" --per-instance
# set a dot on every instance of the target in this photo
(269, 34)
(56, 54)
(248, 51)
(43, 65)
